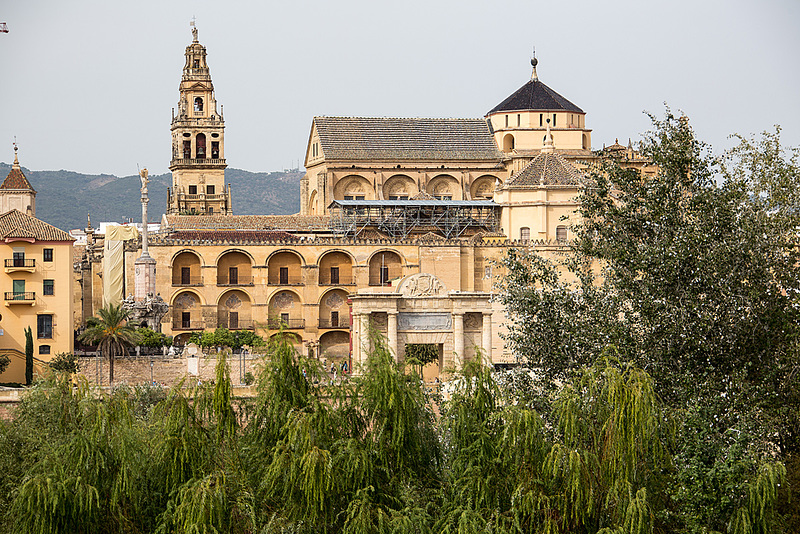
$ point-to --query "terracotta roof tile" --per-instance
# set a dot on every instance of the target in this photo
(546, 169)
(368, 138)
(14, 223)
(16, 181)
(241, 236)
(286, 223)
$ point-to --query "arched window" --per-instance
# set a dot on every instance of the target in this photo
(198, 104)
(508, 143)
(561, 233)
(524, 234)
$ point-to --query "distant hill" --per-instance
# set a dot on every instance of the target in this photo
(63, 198)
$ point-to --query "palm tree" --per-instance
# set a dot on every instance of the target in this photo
(112, 334)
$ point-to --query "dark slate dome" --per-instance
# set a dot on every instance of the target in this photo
(535, 96)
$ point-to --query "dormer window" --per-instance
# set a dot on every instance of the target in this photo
(198, 104)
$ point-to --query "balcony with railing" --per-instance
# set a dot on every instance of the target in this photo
(291, 324)
(240, 324)
(20, 297)
(20, 264)
(343, 322)
(239, 280)
(276, 279)
(192, 324)
(187, 281)
(197, 161)
(325, 279)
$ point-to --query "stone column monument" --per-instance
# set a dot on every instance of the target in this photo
(147, 308)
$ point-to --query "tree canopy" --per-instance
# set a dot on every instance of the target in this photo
(693, 276)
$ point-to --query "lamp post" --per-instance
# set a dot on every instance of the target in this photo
(151, 373)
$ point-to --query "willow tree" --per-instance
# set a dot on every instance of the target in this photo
(112, 334)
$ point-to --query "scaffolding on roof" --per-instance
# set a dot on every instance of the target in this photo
(400, 218)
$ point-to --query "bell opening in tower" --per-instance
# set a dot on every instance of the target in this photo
(198, 104)
(201, 146)
(214, 149)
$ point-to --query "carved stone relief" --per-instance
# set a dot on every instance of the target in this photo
(421, 285)
(186, 300)
(284, 300)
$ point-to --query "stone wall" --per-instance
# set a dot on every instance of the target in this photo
(166, 370)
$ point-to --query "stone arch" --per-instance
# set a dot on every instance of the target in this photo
(285, 268)
(334, 345)
(187, 311)
(586, 143)
(336, 268)
(285, 309)
(235, 268)
(443, 186)
(353, 185)
(235, 310)
(313, 202)
(186, 266)
(400, 186)
(508, 143)
(385, 265)
(482, 188)
(334, 311)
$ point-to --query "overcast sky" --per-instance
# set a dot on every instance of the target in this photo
(88, 85)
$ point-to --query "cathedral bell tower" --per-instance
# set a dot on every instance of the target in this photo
(198, 143)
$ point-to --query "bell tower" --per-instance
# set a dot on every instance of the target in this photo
(198, 142)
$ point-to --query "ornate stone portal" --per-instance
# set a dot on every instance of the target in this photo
(421, 310)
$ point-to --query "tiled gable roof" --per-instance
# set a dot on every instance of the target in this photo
(546, 169)
(16, 181)
(535, 96)
(286, 223)
(14, 223)
(232, 236)
(368, 138)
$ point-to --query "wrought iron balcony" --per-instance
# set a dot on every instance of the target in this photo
(20, 297)
(343, 322)
(20, 264)
(241, 280)
(292, 324)
(290, 280)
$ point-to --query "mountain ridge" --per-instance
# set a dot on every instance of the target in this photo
(63, 198)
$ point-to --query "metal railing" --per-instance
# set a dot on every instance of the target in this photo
(342, 280)
(24, 296)
(378, 281)
(21, 262)
(275, 323)
(290, 280)
(241, 324)
(192, 281)
(194, 324)
(241, 280)
(198, 161)
(343, 322)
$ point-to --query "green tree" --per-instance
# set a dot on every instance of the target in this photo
(150, 338)
(28, 356)
(693, 276)
(65, 362)
(112, 334)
